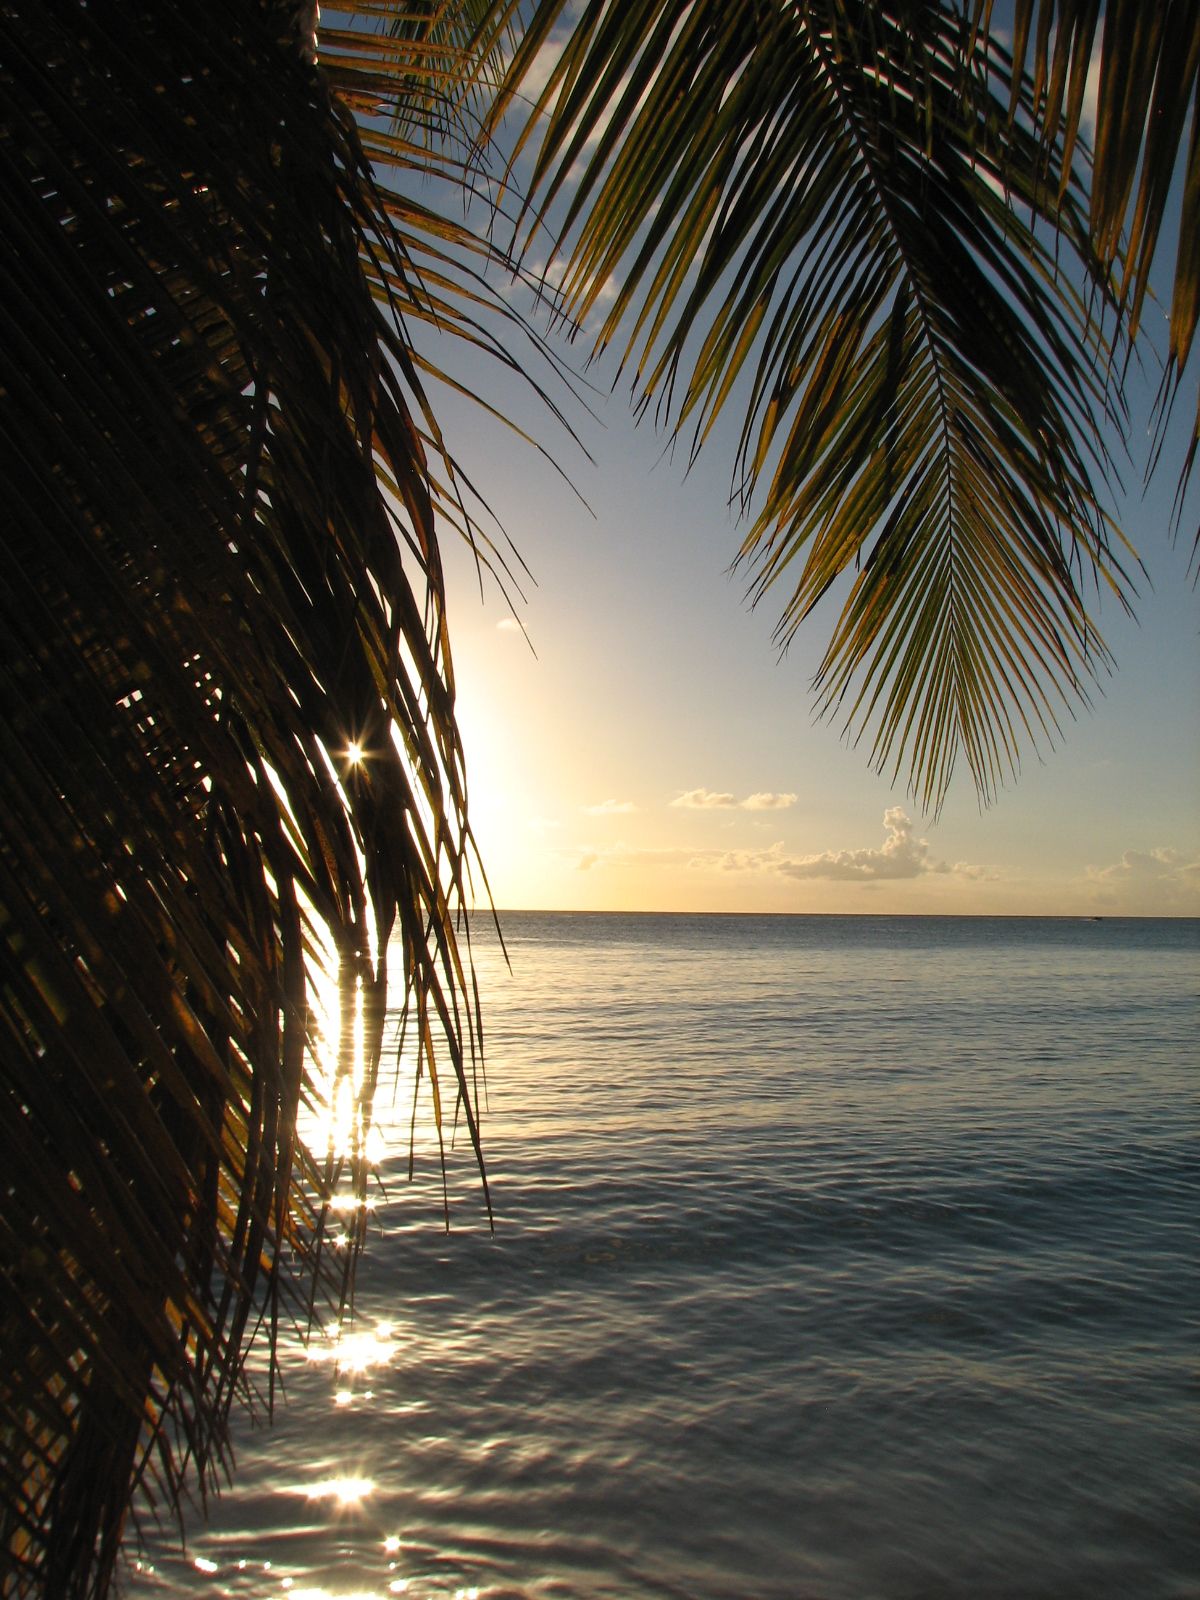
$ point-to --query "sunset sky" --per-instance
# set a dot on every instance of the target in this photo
(658, 754)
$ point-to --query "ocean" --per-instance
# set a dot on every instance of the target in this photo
(835, 1258)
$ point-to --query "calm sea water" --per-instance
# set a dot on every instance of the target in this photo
(835, 1259)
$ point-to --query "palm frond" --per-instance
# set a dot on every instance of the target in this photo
(821, 212)
(221, 568)
(1128, 76)
(419, 80)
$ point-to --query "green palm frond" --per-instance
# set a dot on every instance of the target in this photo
(419, 80)
(1134, 72)
(222, 488)
(428, 66)
(1128, 76)
(821, 213)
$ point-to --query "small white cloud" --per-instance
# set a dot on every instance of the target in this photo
(508, 625)
(712, 800)
(704, 800)
(547, 273)
(902, 855)
(965, 869)
(538, 74)
(611, 808)
(767, 860)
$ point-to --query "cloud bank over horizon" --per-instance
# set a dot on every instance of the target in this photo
(1162, 871)
(901, 855)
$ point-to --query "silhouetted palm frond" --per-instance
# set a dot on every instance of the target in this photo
(822, 213)
(1126, 76)
(221, 572)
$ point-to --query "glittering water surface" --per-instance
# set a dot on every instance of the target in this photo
(838, 1258)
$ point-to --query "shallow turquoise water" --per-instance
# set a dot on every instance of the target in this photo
(842, 1258)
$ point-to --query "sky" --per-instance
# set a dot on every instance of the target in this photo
(635, 740)
(657, 753)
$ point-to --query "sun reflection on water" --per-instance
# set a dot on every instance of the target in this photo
(352, 1354)
(326, 1594)
(345, 1491)
(338, 1119)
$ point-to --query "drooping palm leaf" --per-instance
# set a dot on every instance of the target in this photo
(803, 210)
(1127, 76)
(220, 569)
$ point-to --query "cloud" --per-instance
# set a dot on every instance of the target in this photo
(538, 74)
(965, 869)
(902, 855)
(1091, 93)
(1163, 866)
(611, 808)
(704, 800)
(709, 800)
(701, 859)
(508, 625)
(1144, 864)
(766, 860)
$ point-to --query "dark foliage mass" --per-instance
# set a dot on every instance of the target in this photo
(220, 568)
